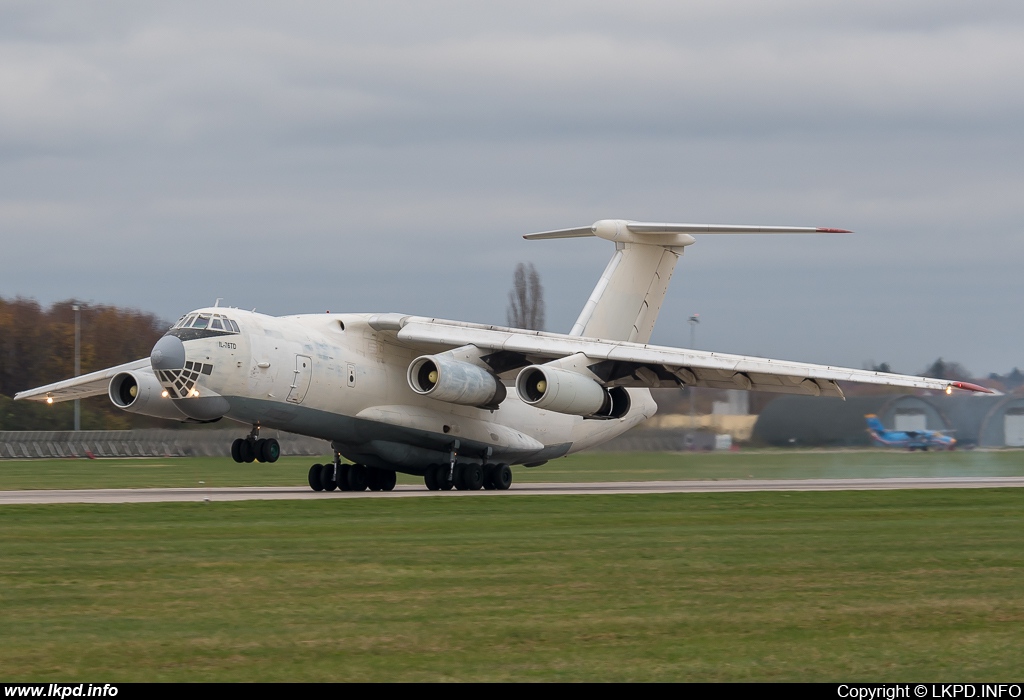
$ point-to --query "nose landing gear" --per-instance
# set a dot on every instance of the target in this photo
(253, 448)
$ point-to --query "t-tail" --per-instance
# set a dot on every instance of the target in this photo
(625, 303)
(875, 424)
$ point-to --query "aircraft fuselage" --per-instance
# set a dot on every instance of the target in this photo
(335, 377)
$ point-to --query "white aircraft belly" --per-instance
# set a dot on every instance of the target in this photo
(426, 420)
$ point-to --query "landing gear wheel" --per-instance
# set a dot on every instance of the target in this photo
(269, 450)
(502, 477)
(356, 478)
(442, 478)
(236, 450)
(430, 479)
(247, 451)
(257, 449)
(327, 478)
(387, 479)
(472, 478)
(314, 477)
(381, 479)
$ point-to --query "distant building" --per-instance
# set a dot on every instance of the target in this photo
(986, 421)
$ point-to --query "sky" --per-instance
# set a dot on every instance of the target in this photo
(388, 156)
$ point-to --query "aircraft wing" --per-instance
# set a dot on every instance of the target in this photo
(92, 384)
(618, 363)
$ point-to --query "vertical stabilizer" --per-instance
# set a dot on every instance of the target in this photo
(625, 303)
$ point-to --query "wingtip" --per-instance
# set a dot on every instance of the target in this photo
(822, 229)
(967, 386)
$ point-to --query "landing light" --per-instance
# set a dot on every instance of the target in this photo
(195, 392)
(164, 393)
(949, 389)
(49, 399)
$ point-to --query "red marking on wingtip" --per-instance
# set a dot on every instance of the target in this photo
(832, 230)
(972, 387)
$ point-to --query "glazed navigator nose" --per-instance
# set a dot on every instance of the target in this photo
(168, 353)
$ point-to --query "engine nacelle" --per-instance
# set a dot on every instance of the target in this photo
(139, 392)
(452, 381)
(565, 391)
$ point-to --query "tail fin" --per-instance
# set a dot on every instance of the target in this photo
(874, 423)
(625, 303)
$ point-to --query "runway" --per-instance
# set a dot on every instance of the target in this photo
(281, 493)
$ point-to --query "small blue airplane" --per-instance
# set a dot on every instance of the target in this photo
(911, 439)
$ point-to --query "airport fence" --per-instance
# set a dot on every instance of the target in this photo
(157, 442)
(154, 442)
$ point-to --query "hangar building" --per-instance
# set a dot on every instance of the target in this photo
(986, 421)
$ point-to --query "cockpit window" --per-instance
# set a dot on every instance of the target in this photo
(213, 322)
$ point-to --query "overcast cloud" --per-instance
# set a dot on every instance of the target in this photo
(297, 157)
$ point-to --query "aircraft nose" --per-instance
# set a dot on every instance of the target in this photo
(168, 353)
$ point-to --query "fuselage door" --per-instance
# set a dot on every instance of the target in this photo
(301, 378)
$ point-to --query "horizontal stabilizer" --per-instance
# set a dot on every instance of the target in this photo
(615, 228)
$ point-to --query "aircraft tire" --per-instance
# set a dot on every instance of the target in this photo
(247, 450)
(502, 477)
(236, 450)
(387, 478)
(489, 476)
(257, 449)
(328, 479)
(472, 477)
(372, 478)
(342, 477)
(356, 477)
(442, 478)
(270, 451)
(430, 478)
(314, 477)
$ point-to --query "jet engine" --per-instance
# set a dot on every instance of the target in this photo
(449, 380)
(139, 391)
(565, 391)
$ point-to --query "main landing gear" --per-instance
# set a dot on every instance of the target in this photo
(468, 477)
(350, 477)
(253, 448)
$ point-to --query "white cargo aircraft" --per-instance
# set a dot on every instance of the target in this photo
(456, 403)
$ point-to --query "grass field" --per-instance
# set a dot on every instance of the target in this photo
(595, 466)
(871, 586)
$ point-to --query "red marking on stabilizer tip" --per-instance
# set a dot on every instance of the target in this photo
(832, 230)
(967, 386)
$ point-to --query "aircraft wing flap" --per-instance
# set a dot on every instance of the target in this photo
(92, 384)
(711, 369)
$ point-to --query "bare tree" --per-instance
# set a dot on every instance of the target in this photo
(526, 299)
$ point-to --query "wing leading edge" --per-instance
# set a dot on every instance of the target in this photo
(92, 384)
(618, 363)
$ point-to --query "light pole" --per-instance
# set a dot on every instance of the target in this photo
(693, 321)
(78, 359)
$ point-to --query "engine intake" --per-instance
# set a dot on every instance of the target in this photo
(140, 392)
(564, 391)
(452, 381)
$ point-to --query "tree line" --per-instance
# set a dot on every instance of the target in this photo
(37, 347)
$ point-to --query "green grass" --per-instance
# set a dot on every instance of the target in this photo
(594, 466)
(869, 586)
